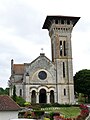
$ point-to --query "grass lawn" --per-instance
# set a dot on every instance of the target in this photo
(68, 112)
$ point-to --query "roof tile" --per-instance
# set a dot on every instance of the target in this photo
(8, 104)
(18, 68)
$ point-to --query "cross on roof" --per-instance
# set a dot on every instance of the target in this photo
(42, 50)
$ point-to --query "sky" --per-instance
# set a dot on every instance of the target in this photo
(22, 36)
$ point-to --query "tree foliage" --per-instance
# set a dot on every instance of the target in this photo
(14, 93)
(4, 91)
(20, 101)
(82, 82)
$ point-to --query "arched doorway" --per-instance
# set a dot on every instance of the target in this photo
(33, 97)
(42, 96)
(51, 96)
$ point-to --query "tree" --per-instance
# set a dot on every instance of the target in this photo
(4, 91)
(14, 93)
(20, 101)
(1, 91)
(82, 82)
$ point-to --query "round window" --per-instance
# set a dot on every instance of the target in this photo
(42, 75)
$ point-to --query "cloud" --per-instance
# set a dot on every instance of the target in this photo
(80, 50)
(19, 17)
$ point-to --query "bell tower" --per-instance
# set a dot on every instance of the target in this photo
(60, 29)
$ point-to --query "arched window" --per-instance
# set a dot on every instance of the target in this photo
(42, 96)
(52, 53)
(68, 22)
(33, 97)
(62, 21)
(56, 21)
(20, 92)
(64, 45)
(51, 96)
(64, 92)
(64, 69)
(61, 47)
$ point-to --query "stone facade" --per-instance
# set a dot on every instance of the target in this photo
(45, 81)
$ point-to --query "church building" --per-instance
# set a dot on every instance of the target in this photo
(44, 80)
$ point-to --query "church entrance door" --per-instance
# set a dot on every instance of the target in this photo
(42, 96)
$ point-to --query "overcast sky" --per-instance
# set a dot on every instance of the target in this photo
(22, 36)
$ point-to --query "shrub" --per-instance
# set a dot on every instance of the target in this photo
(84, 112)
(52, 114)
(60, 105)
(44, 105)
(27, 104)
(37, 114)
(56, 105)
(35, 106)
(20, 101)
(83, 107)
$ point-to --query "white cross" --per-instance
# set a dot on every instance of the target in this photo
(42, 50)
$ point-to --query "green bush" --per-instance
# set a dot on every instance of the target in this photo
(36, 106)
(76, 105)
(44, 105)
(27, 104)
(54, 105)
(38, 113)
(52, 114)
(61, 105)
(20, 101)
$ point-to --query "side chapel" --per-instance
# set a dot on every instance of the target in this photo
(44, 80)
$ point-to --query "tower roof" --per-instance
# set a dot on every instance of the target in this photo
(49, 20)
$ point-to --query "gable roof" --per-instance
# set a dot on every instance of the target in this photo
(18, 68)
(41, 55)
(8, 104)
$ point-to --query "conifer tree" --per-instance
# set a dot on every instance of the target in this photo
(14, 93)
